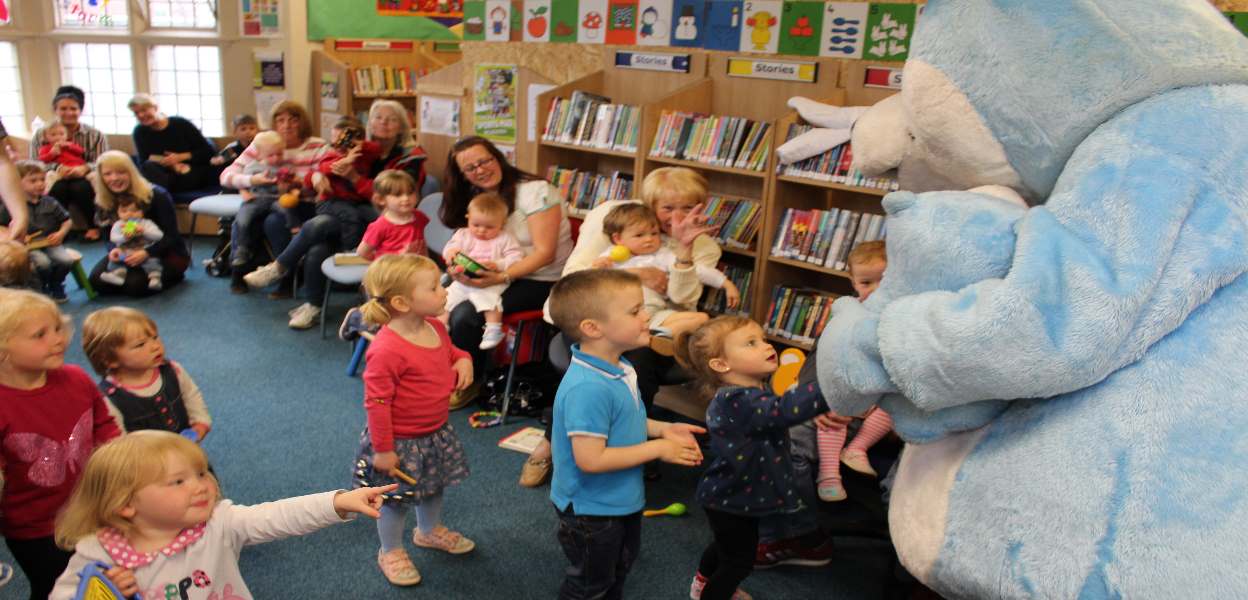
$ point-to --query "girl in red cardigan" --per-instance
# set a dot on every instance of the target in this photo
(51, 417)
(412, 369)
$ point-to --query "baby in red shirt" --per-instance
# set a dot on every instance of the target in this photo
(58, 149)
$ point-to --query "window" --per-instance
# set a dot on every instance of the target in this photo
(92, 14)
(105, 73)
(11, 111)
(182, 14)
(186, 81)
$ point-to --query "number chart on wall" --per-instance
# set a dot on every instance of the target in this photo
(260, 18)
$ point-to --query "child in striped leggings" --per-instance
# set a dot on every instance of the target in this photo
(866, 266)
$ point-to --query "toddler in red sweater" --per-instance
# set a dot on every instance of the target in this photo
(58, 149)
(51, 417)
(411, 370)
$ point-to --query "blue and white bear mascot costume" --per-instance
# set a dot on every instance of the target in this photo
(1071, 377)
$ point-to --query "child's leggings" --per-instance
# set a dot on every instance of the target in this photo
(393, 522)
(877, 425)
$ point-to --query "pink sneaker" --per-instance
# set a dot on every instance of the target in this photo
(398, 568)
(699, 582)
(443, 539)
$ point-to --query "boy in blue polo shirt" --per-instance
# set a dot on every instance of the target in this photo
(599, 435)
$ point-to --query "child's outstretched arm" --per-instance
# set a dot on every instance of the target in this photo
(593, 456)
(301, 515)
(760, 411)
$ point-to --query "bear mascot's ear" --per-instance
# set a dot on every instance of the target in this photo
(881, 137)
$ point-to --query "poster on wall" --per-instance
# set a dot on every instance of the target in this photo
(268, 70)
(888, 31)
(494, 103)
(844, 29)
(91, 14)
(439, 116)
(761, 31)
(563, 15)
(687, 26)
(474, 21)
(497, 20)
(723, 25)
(622, 22)
(260, 18)
(591, 21)
(654, 23)
(329, 91)
(446, 12)
(537, 20)
(800, 26)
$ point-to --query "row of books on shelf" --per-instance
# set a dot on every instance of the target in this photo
(798, 314)
(825, 237)
(715, 301)
(734, 221)
(584, 190)
(377, 79)
(713, 139)
(832, 166)
(587, 119)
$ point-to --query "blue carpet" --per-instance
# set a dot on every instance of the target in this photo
(287, 421)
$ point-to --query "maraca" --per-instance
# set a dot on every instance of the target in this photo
(289, 199)
(674, 509)
(130, 228)
(620, 253)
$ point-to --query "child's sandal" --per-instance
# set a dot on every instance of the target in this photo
(398, 568)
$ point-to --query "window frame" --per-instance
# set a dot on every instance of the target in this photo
(23, 125)
(201, 121)
(122, 115)
(215, 6)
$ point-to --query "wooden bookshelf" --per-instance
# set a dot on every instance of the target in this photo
(632, 87)
(806, 193)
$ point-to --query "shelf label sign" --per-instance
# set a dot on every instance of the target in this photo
(883, 77)
(783, 70)
(650, 61)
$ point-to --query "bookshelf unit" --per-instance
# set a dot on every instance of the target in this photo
(760, 100)
(632, 87)
(391, 59)
(806, 193)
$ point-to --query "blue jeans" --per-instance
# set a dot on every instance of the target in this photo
(244, 234)
(353, 218)
(316, 241)
(601, 549)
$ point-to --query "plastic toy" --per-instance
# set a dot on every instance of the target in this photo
(95, 586)
(485, 418)
(130, 228)
(674, 509)
(190, 434)
(289, 198)
(404, 476)
(785, 377)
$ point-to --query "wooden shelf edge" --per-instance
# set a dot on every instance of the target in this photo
(738, 251)
(831, 185)
(788, 342)
(590, 149)
(808, 266)
(708, 167)
(385, 95)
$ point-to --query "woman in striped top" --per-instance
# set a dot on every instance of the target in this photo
(290, 120)
(73, 188)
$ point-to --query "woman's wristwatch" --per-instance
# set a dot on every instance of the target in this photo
(506, 277)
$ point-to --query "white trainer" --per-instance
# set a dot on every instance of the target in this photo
(304, 316)
(265, 276)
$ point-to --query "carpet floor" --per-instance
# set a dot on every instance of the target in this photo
(287, 421)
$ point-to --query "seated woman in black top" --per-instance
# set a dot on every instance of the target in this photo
(174, 154)
(116, 176)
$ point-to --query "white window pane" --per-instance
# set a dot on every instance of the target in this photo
(187, 57)
(77, 53)
(163, 82)
(120, 56)
(101, 81)
(169, 105)
(9, 81)
(182, 14)
(162, 58)
(188, 83)
(7, 56)
(209, 58)
(189, 104)
(210, 84)
(212, 110)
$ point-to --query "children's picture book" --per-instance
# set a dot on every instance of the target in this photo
(688, 23)
(843, 29)
(654, 22)
(563, 14)
(346, 259)
(523, 440)
(591, 22)
(761, 29)
(537, 20)
(723, 25)
(889, 27)
(622, 22)
(801, 24)
(497, 20)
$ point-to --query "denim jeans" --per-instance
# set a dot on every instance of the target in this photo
(601, 549)
(316, 241)
(244, 232)
(353, 218)
(52, 263)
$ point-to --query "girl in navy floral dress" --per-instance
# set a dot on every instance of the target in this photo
(750, 475)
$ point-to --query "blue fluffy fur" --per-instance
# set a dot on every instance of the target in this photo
(1116, 339)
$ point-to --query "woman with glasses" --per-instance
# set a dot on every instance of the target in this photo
(389, 126)
(537, 221)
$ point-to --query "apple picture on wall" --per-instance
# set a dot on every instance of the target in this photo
(537, 22)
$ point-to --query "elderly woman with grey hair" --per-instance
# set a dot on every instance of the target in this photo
(172, 152)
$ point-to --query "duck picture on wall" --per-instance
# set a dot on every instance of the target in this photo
(761, 31)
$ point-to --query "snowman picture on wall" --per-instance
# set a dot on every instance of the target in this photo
(651, 27)
(686, 24)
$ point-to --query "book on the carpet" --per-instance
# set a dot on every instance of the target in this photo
(523, 440)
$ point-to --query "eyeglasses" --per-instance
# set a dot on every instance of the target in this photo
(474, 167)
